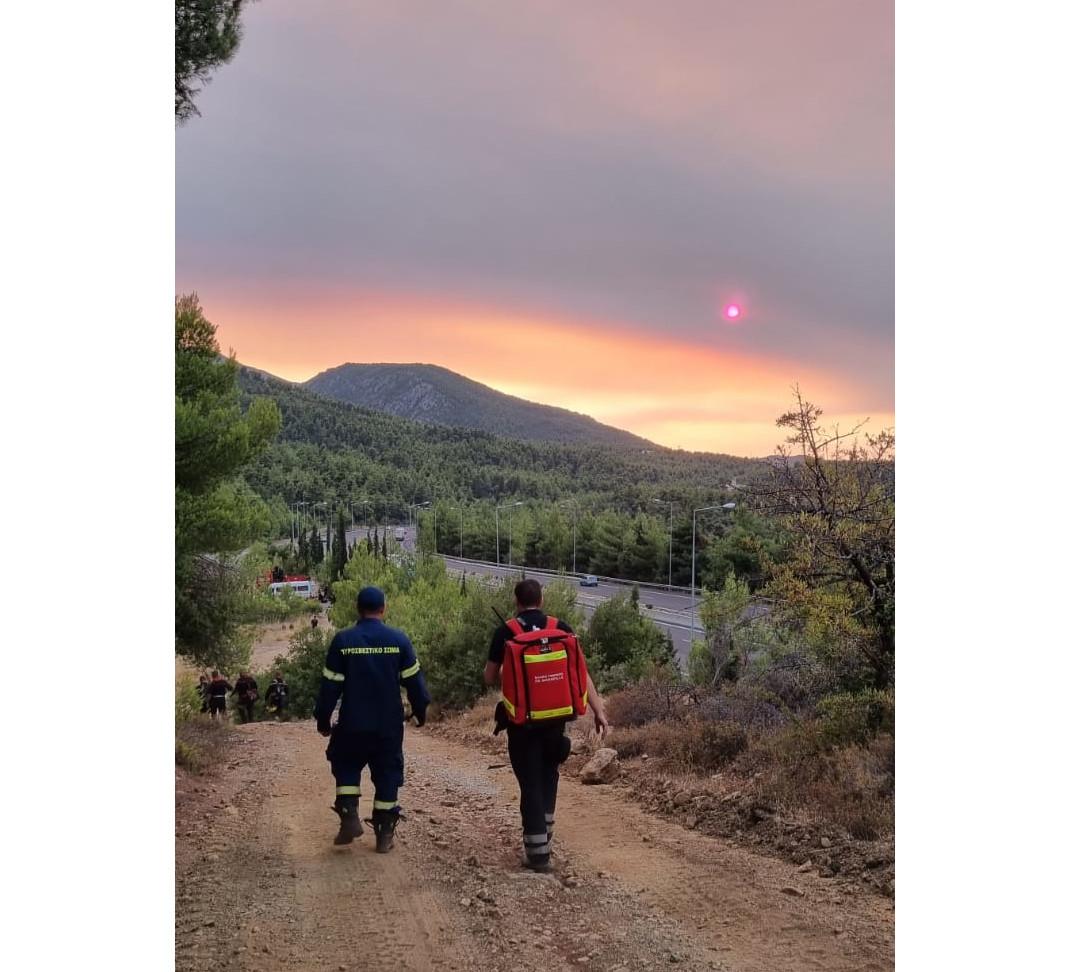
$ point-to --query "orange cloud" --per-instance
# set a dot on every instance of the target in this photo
(677, 393)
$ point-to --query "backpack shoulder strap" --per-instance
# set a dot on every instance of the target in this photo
(514, 625)
(551, 623)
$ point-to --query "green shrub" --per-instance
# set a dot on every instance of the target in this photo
(187, 699)
(855, 718)
(301, 668)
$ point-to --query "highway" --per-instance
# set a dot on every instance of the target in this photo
(669, 609)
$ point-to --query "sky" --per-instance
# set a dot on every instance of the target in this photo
(559, 199)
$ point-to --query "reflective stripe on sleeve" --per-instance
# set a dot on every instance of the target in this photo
(412, 670)
(333, 676)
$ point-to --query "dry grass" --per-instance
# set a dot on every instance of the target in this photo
(200, 743)
(853, 786)
(690, 746)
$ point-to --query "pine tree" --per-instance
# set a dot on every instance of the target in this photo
(315, 546)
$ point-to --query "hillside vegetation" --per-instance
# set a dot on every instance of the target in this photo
(335, 452)
(428, 393)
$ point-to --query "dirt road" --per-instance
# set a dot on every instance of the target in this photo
(261, 887)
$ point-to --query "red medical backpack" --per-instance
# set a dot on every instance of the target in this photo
(544, 675)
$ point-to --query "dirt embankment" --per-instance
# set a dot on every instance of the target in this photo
(720, 805)
(261, 887)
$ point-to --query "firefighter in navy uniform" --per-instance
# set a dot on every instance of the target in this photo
(365, 666)
(539, 746)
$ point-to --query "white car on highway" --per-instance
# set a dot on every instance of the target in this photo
(588, 580)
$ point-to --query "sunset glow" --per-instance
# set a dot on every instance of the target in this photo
(572, 203)
(676, 393)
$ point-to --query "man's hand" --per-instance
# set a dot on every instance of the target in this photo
(601, 723)
(323, 728)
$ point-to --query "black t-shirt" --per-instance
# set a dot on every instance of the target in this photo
(532, 618)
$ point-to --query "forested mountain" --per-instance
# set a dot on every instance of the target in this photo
(334, 452)
(428, 393)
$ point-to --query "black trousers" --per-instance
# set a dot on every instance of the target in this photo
(536, 754)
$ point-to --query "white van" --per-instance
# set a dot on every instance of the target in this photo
(302, 588)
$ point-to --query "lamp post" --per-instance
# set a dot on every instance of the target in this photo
(460, 513)
(694, 520)
(669, 504)
(322, 503)
(417, 506)
(497, 540)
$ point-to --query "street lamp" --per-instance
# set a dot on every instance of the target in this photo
(460, 511)
(572, 504)
(417, 506)
(694, 519)
(669, 504)
(322, 503)
(497, 541)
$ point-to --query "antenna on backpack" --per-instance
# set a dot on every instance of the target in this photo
(500, 618)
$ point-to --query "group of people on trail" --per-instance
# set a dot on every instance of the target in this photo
(535, 658)
(215, 690)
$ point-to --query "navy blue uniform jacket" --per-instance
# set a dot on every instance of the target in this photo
(365, 665)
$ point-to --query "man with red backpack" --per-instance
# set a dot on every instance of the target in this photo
(540, 666)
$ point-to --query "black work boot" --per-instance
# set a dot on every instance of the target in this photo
(384, 822)
(540, 865)
(349, 828)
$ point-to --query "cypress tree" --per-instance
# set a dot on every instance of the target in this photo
(302, 551)
(339, 555)
(315, 546)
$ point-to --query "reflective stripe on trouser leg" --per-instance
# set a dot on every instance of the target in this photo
(384, 804)
(347, 791)
(537, 845)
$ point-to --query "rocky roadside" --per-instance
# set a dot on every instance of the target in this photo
(720, 805)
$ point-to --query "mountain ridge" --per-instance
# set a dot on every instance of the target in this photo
(429, 393)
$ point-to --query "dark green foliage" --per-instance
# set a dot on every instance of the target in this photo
(856, 718)
(394, 462)
(207, 34)
(315, 547)
(622, 645)
(746, 545)
(215, 512)
(301, 669)
(339, 554)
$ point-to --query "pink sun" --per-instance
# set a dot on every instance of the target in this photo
(733, 312)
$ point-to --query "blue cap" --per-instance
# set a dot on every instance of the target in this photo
(371, 599)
